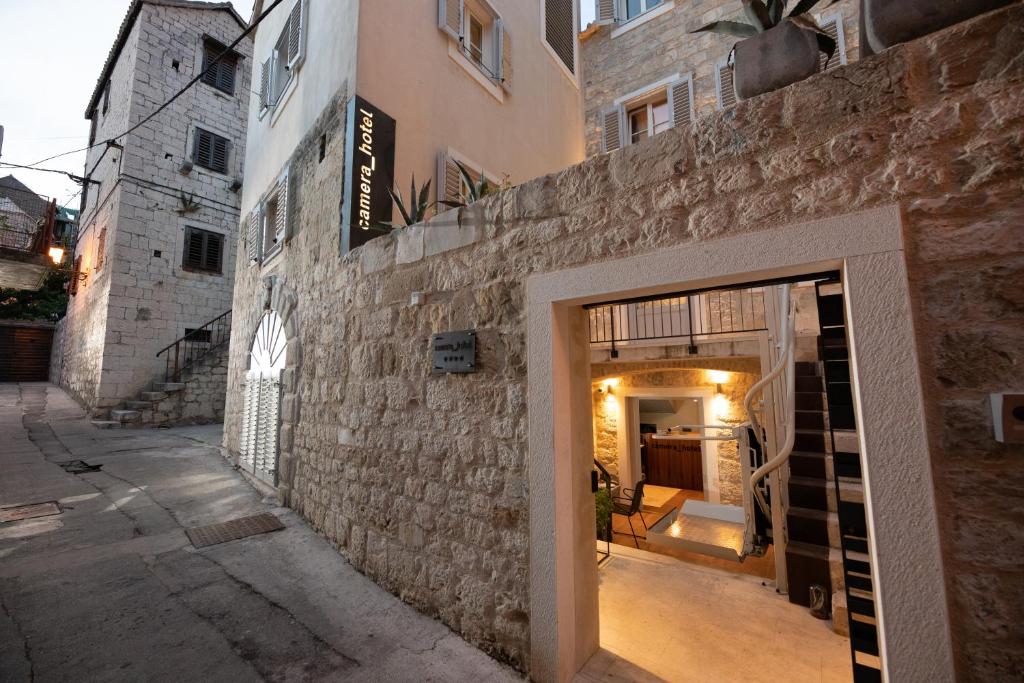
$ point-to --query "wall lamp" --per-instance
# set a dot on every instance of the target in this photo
(56, 255)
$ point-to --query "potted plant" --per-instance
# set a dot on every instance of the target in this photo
(889, 22)
(778, 49)
(416, 212)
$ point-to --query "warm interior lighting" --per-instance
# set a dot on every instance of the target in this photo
(56, 255)
(718, 376)
(719, 408)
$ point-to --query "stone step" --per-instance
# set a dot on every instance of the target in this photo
(169, 387)
(106, 424)
(138, 405)
(152, 395)
(840, 615)
(125, 415)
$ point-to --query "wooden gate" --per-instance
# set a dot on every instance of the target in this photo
(25, 351)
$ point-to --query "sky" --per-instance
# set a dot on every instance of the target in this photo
(42, 108)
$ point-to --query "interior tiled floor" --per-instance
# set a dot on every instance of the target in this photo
(667, 620)
(763, 567)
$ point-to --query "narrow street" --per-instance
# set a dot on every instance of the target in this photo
(111, 588)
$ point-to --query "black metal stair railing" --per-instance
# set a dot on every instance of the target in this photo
(196, 344)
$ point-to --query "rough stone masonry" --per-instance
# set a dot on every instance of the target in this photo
(420, 480)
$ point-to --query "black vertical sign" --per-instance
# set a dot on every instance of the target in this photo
(369, 171)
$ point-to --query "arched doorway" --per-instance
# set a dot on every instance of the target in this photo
(262, 407)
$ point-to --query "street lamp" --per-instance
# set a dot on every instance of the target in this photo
(56, 255)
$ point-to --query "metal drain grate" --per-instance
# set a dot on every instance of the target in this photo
(202, 536)
(79, 466)
(19, 512)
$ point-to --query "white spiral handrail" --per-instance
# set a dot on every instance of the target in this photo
(785, 363)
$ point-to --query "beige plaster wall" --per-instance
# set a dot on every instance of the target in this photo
(421, 480)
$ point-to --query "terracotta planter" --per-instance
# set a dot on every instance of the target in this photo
(780, 56)
(889, 22)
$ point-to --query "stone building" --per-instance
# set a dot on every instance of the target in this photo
(468, 494)
(157, 236)
(644, 71)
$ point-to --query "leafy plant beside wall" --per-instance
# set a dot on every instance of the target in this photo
(415, 212)
(475, 189)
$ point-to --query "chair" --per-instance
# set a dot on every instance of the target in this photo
(629, 505)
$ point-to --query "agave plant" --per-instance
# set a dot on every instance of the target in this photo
(767, 14)
(415, 213)
(475, 189)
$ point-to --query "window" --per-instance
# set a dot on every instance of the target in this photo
(204, 250)
(635, 8)
(648, 112)
(478, 31)
(197, 336)
(106, 97)
(451, 184)
(211, 151)
(649, 118)
(268, 223)
(101, 250)
(560, 31)
(285, 59)
(219, 74)
(92, 127)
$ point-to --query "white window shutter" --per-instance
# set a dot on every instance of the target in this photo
(611, 122)
(250, 416)
(253, 243)
(504, 61)
(833, 26)
(606, 11)
(449, 17)
(281, 229)
(297, 34)
(265, 464)
(265, 84)
(726, 89)
(680, 102)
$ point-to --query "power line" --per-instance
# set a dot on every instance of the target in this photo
(76, 178)
(227, 50)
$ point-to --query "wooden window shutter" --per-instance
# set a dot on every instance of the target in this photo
(213, 254)
(726, 89)
(611, 122)
(101, 250)
(253, 238)
(833, 27)
(265, 84)
(75, 276)
(296, 34)
(221, 148)
(606, 11)
(193, 249)
(504, 55)
(267, 423)
(560, 30)
(449, 179)
(680, 99)
(449, 17)
(250, 415)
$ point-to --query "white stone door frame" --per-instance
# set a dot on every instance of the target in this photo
(868, 249)
(629, 466)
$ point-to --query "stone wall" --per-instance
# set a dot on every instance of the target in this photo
(138, 297)
(420, 479)
(617, 62)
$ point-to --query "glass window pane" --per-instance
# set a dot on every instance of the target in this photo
(662, 120)
(638, 124)
(652, 3)
(633, 8)
(476, 39)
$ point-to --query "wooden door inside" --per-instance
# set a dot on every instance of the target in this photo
(675, 462)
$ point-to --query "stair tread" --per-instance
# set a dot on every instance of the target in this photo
(810, 513)
(819, 552)
(808, 481)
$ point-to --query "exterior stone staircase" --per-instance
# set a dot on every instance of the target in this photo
(144, 410)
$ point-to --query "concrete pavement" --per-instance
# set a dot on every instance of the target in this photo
(111, 589)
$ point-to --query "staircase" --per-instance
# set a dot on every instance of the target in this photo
(180, 358)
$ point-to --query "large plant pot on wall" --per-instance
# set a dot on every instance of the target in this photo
(780, 56)
(890, 22)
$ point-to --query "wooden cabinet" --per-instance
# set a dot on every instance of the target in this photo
(674, 462)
